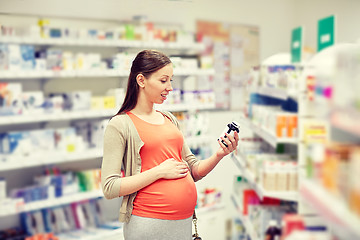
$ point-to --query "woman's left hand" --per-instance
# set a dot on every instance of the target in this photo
(231, 144)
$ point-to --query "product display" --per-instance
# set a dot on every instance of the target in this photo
(53, 125)
(76, 220)
(294, 175)
(330, 153)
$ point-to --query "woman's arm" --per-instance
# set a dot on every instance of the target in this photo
(169, 169)
(200, 168)
(207, 165)
(113, 185)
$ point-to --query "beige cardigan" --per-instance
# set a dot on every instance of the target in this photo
(122, 145)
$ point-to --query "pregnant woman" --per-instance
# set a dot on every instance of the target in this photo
(159, 193)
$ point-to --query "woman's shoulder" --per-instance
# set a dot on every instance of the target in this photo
(170, 116)
(120, 120)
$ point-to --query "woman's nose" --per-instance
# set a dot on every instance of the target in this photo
(169, 87)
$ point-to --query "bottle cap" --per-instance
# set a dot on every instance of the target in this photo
(272, 223)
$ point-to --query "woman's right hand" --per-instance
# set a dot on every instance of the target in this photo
(172, 169)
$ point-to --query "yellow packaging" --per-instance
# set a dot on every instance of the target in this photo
(97, 102)
(109, 102)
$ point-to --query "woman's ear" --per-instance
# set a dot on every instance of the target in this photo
(140, 79)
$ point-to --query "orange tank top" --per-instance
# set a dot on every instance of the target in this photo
(170, 199)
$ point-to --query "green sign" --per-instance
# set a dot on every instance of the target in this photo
(296, 44)
(326, 32)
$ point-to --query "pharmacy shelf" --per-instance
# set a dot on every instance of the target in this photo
(90, 114)
(54, 157)
(58, 116)
(346, 119)
(48, 203)
(103, 43)
(240, 162)
(30, 74)
(267, 135)
(247, 223)
(333, 210)
(47, 74)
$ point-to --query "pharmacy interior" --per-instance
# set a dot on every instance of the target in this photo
(287, 72)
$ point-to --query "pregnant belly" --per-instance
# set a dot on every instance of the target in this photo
(167, 199)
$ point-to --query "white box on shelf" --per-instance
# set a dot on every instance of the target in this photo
(97, 132)
(10, 98)
(80, 100)
(32, 101)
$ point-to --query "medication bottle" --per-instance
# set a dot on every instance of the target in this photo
(273, 232)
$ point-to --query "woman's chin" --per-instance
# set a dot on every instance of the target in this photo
(159, 102)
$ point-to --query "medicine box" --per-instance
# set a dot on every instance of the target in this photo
(10, 98)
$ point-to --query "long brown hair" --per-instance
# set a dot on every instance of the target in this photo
(146, 63)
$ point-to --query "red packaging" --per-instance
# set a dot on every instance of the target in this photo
(292, 222)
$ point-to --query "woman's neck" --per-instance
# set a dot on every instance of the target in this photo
(143, 109)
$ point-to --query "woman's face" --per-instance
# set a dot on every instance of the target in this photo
(158, 85)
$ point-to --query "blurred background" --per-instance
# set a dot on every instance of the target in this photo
(286, 71)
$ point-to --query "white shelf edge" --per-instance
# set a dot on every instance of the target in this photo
(51, 117)
(282, 195)
(89, 114)
(101, 43)
(332, 209)
(269, 137)
(247, 223)
(55, 157)
(31, 74)
(36, 205)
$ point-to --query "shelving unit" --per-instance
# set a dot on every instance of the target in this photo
(48, 74)
(56, 157)
(102, 43)
(247, 223)
(293, 143)
(331, 207)
(24, 121)
(37, 205)
(89, 114)
(53, 117)
(261, 192)
(333, 210)
(268, 136)
(49, 159)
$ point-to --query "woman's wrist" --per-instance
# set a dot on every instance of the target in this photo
(156, 172)
(219, 156)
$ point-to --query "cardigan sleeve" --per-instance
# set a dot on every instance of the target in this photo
(113, 153)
